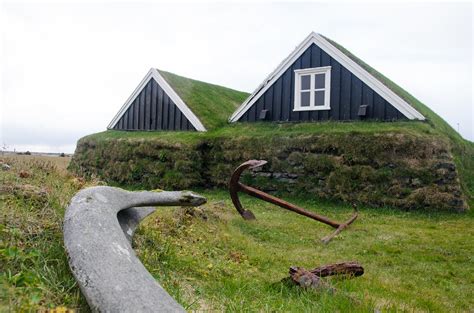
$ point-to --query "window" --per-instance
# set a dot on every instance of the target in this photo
(312, 89)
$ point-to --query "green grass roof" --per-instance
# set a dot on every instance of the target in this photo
(212, 104)
(434, 119)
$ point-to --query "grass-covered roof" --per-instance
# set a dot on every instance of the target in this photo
(431, 116)
(212, 104)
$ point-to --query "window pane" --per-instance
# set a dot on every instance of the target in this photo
(305, 101)
(319, 97)
(319, 81)
(305, 82)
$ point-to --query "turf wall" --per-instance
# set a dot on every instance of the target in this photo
(406, 171)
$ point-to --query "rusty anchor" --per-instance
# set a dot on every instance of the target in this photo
(235, 186)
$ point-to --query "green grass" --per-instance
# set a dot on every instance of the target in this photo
(330, 127)
(263, 129)
(178, 136)
(34, 272)
(212, 259)
(212, 104)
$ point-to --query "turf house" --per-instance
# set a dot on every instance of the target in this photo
(328, 124)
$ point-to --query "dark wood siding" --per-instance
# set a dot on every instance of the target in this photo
(152, 109)
(348, 93)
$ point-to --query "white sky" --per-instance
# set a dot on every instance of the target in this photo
(66, 69)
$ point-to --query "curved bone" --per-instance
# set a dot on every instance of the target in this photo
(110, 275)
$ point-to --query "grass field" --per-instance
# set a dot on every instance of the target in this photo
(213, 259)
(210, 259)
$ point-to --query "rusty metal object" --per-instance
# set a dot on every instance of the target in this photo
(235, 187)
(341, 227)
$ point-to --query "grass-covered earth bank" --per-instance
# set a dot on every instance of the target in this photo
(405, 165)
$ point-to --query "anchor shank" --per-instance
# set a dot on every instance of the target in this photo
(286, 205)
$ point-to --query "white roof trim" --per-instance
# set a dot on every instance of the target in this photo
(401, 105)
(153, 73)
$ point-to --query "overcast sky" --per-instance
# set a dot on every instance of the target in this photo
(67, 69)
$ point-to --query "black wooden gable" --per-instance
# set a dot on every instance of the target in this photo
(153, 109)
(350, 97)
(348, 93)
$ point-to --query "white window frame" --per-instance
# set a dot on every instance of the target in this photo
(327, 88)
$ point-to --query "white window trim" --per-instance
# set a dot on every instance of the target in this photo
(327, 88)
